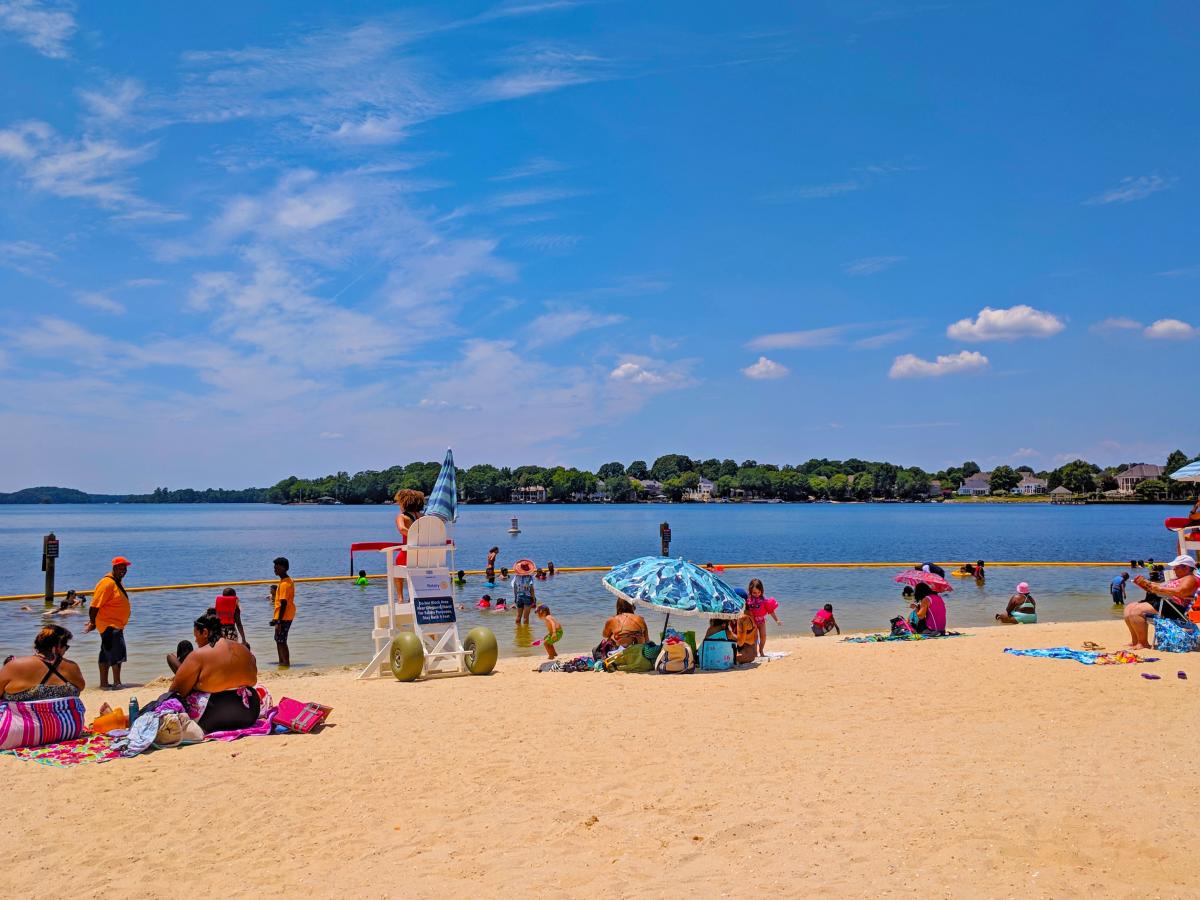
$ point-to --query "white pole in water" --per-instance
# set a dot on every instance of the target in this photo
(514, 528)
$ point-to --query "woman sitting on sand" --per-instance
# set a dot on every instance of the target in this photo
(46, 675)
(1172, 599)
(626, 628)
(217, 680)
(930, 617)
(1021, 609)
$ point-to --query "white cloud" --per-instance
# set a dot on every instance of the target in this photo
(558, 326)
(1006, 325)
(1116, 323)
(1025, 453)
(94, 169)
(911, 366)
(46, 27)
(765, 370)
(645, 372)
(102, 302)
(1132, 188)
(28, 258)
(539, 165)
(876, 341)
(791, 340)
(870, 265)
(541, 68)
(815, 191)
(114, 103)
(1171, 330)
(329, 435)
(550, 243)
(1185, 272)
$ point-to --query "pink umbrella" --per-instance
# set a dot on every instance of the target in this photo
(913, 577)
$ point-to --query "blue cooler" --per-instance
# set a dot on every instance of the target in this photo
(716, 654)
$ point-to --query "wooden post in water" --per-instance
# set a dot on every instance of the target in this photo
(49, 555)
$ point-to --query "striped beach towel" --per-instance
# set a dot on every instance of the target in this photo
(40, 722)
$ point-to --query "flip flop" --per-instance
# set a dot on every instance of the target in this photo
(1091, 645)
(1182, 676)
(1150, 677)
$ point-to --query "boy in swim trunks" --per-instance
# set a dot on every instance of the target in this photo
(284, 611)
(554, 631)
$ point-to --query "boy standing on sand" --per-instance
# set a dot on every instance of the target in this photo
(284, 612)
(554, 631)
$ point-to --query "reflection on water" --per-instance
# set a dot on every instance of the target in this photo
(172, 544)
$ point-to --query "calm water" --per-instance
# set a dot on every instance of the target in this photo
(174, 544)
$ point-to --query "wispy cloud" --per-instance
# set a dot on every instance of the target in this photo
(47, 27)
(30, 259)
(870, 265)
(532, 168)
(830, 336)
(876, 341)
(560, 325)
(766, 370)
(1021, 321)
(102, 302)
(550, 242)
(1116, 323)
(1185, 272)
(912, 366)
(1130, 189)
(908, 426)
(861, 178)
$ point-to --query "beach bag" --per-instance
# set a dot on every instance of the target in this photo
(300, 718)
(1174, 636)
(716, 654)
(676, 659)
(633, 659)
(40, 722)
(900, 627)
(605, 647)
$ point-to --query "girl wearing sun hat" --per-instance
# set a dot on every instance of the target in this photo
(1022, 608)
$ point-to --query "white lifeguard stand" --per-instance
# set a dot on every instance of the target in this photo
(416, 631)
(1187, 535)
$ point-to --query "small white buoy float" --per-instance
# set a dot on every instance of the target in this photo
(514, 528)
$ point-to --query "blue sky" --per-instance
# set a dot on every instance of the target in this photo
(241, 242)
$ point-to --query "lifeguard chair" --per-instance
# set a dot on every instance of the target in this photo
(1187, 535)
(416, 631)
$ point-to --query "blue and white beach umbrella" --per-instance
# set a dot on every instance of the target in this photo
(443, 499)
(1190, 472)
(674, 586)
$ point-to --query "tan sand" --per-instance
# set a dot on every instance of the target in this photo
(944, 768)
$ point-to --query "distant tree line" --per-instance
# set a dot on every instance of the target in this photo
(673, 475)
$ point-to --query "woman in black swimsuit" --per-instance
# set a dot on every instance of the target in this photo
(46, 675)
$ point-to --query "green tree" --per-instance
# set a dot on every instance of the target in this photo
(725, 485)
(670, 465)
(969, 468)
(618, 487)
(839, 487)
(673, 488)
(1151, 489)
(864, 486)
(610, 470)
(1177, 460)
(1076, 476)
(637, 470)
(1004, 479)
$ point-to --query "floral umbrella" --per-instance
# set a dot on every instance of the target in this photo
(674, 586)
(913, 577)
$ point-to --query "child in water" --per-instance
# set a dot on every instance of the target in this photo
(485, 602)
(824, 622)
(759, 607)
(460, 578)
(361, 580)
(554, 631)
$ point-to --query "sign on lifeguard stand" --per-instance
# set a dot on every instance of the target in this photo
(416, 632)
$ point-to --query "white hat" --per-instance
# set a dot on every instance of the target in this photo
(1183, 560)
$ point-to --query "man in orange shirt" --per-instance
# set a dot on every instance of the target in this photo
(284, 611)
(109, 614)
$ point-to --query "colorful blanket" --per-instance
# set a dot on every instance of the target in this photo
(1087, 657)
(87, 749)
(885, 638)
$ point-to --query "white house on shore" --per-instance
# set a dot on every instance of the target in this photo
(1135, 475)
(1031, 484)
(532, 494)
(702, 493)
(978, 485)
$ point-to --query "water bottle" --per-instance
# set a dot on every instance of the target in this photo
(133, 710)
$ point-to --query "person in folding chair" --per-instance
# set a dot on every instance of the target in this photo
(1172, 600)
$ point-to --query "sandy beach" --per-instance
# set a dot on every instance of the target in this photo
(943, 768)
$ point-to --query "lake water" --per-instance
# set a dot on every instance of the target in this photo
(172, 544)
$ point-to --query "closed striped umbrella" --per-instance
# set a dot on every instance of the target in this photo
(1190, 472)
(443, 500)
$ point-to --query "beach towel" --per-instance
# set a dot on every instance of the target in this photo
(887, 638)
(40, 722)
(88, 749)
(1087, 657)
(264, 725)
(1174, 635)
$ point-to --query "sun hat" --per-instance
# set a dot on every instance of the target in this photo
(524, 567)
(1023, 587)
(1183, 560)
(121, 561)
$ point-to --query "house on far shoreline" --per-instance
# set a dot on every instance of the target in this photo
(702, 493)
(532, 494)
(1135, 475)
(1031, 484)
(978, 485)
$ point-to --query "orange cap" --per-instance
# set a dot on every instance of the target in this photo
(121, 561)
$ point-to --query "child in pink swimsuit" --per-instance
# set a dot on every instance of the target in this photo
(759, 607)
